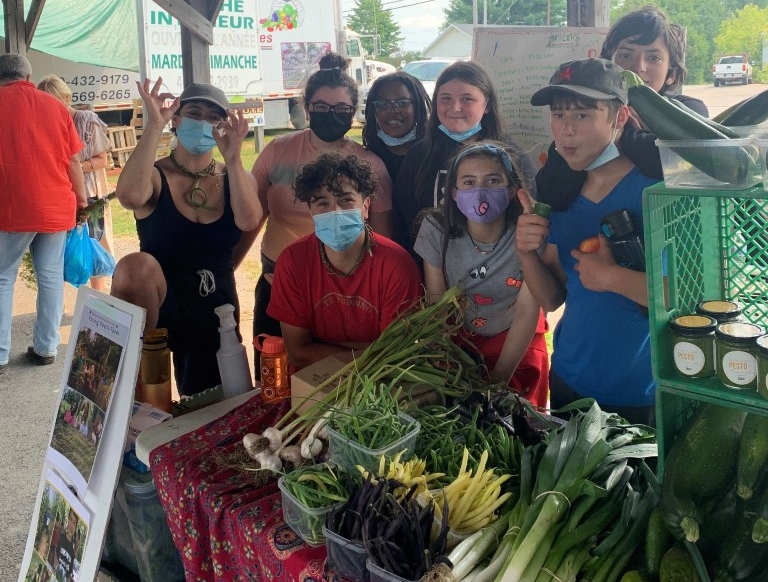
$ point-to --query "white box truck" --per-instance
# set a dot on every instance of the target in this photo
(262, 49)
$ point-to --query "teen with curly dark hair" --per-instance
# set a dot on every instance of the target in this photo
(337, 289)
(396, 114)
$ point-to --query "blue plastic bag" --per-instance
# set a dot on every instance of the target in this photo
(78, 256)
(103, 261)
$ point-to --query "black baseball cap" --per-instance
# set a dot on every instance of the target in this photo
(205, 92)
(598, 79)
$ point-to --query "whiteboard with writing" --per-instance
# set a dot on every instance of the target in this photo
(521, 60)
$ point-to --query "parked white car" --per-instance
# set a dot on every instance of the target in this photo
(732, 68)
(427, 71)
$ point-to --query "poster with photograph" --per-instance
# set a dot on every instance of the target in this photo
(60, 534)
(300, 60)
(89, 427)
(84, 404)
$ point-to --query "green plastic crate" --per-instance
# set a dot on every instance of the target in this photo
(716, 247)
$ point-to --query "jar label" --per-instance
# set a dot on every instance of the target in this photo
(689, 358)
(739, 367)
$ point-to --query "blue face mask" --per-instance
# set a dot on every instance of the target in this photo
(460, 137)
(196, 135)
(338, 229)
(610, 153)
(396, 141)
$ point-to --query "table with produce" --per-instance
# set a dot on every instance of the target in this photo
(368, 478)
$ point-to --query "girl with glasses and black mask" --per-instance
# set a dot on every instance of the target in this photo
(396, 115)
(330, 101)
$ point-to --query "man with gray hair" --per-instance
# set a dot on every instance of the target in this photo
(41, 185)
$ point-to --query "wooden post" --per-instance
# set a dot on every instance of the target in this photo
(195, 51)
(590, 13)
(15, 30)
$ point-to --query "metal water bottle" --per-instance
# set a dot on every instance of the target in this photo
(232, 358)
(273, 360)
(156, 370)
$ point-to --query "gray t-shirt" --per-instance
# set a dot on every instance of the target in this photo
(491, 281)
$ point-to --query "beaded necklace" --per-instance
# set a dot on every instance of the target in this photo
(197, 196)
(493, 248)
(367, 244)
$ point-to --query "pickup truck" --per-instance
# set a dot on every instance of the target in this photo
(732, 68)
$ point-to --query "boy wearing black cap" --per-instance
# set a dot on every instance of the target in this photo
(601, 344)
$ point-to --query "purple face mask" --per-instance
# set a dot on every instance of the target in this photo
(482, 204)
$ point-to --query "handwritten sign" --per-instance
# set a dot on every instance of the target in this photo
(521, 60)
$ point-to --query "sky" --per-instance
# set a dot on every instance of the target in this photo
(418, 19)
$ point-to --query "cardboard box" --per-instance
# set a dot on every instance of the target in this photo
(307, 379)
(144, 415)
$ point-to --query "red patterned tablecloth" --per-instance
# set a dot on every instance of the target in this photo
(225, 527)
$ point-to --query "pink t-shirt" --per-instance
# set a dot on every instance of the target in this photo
(275, 170)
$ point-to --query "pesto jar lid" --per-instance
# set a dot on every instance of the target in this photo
(693, 325)
(722, 310)
(739, 333)
(762, 345)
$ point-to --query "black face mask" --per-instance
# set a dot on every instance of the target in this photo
(330, 126)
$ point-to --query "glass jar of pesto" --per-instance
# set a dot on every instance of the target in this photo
(736, 351)
(693, 345)
(762, 366)
(723, 310)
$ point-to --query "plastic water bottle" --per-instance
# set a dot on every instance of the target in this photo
(232, 358)
(275, 382)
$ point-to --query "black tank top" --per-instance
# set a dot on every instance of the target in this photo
(180, 244)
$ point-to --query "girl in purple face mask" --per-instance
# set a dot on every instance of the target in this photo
(470, 242)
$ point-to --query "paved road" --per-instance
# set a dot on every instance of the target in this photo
(29, 393)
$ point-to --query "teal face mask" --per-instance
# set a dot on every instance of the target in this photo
(338, 229)
(396, 141)
(196, 135)
(460, 137)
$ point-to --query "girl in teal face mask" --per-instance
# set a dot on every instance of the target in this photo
(397, 110)
(190, 211)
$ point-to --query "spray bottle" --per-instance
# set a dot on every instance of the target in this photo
(233, 360)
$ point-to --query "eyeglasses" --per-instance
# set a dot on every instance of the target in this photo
(398, 104)
(323, 107)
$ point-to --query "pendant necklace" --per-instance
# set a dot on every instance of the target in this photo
(197, 196)
(493, 248)
(367, 244)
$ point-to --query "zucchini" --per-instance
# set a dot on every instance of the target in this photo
(633, 576)
(700, 468)
(750, 111)
(739, 556)
(657, 542)
(726, 131)
(753, 454)
(760, 527)
(677, 566)
(731, 165)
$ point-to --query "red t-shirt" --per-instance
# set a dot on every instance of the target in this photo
(37, 141)
(343, 309)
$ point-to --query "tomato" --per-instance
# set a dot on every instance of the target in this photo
(589, 245)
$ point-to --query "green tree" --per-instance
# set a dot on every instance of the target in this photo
(506, 12)
(369, 17)
(744, 33)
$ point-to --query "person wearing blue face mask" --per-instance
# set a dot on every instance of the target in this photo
(465, 109)
(337, 289)
(396, 114)
(190, 214)
(601, 343)
(470, 242)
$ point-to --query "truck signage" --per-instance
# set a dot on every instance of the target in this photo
(233, 57)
